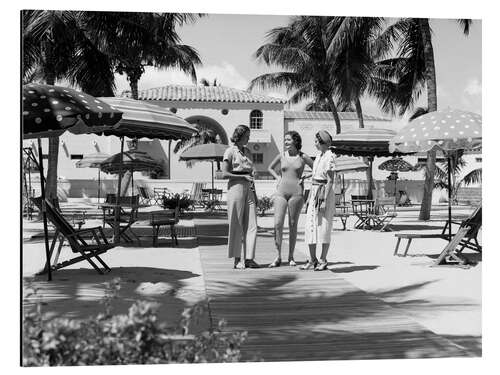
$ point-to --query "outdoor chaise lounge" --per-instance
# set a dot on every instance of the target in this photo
(88, 249)
(460, 241)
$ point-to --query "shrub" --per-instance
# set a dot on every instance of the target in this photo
(171, 201)
(264, 204)
(135, 338)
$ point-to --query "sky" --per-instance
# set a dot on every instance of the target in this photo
(227, 43)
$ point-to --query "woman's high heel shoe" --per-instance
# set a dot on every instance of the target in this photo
(322, 266)
(275, 263)
(238, 264)
(309, 265)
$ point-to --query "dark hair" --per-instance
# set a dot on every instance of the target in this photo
(239, 132)
(296, 139)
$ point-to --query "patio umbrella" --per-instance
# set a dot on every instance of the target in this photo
(133, 161)
(140, 120)
(207, 152)
(367, 142)
(48, 111)
(93, 161)
(394, 166)
(348, 164)
(446, 130)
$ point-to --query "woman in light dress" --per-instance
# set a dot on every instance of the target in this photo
(289, 192)
(241, 200)
(321, 203)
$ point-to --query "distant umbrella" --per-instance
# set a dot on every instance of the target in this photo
(93, 161)
(394, 166)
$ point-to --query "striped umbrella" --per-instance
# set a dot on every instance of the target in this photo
(446, 130)
(133, 161)
(363, 142)
(208, 151)
(48, 111)
(93, 161)
(394, 166)
(368, 142)
(140, 120)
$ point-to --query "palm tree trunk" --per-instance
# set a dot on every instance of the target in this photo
(335, 114)
(430, 79)
(359, 113)
(134, 88)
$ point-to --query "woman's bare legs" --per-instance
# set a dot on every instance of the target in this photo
(280, 206)
(295, 205)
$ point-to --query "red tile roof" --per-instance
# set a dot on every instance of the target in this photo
(204, 94)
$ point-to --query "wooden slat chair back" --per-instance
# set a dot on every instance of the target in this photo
(170, 218)
(448, 255)
(64, 231)
(474, 223)
(144, 196)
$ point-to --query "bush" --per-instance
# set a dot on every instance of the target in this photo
(135, 338)
(264, 204)
(171, 201)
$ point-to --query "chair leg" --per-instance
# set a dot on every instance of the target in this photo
(407, 246)
(397, 246)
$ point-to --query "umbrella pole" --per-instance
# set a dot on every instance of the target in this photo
(44, 212)
(99, 186)
(116, 235)
(449, 198)
(395, 191)
(132, 177)
(343, 188)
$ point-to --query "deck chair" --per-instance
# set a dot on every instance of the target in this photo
(382, 216)
(468, 240)
(196, 194)
(144, 196)
(65, 232)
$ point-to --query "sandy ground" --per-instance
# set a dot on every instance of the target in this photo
(446, 300)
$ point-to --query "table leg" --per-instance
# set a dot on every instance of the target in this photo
(407, 246)
(397, 246)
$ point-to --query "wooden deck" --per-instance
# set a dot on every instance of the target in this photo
(305, 315)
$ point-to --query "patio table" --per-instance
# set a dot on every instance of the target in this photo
(127, 218)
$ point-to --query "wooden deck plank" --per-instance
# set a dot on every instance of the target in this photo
(305, 315)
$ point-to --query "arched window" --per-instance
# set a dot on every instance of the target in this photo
(256, 119)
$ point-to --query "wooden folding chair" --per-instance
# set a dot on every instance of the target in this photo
(97, 245)
(170, 218)
(382, 216)
(449, 255)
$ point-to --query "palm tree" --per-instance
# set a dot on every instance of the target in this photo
(398, 82)
(457, 163)
(204, 136)
(352, 46)
(55, 47)
(135, 40)
(301, 49)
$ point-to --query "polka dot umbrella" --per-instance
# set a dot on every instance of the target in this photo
(48, 111)
(446, 130)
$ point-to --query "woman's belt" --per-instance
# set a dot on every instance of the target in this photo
(319, 182)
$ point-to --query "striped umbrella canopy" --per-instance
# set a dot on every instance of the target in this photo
(48, 111)
(141, 119)
(92, 160)
(447, 130)
(397, 165)
(347, 164)
(136, 161)
(363, 142)
(208, 151)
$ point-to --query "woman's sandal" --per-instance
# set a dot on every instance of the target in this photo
(309, 265)
(275, 263)
(291, 263)
(322, 266)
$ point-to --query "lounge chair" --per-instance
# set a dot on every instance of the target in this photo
(404, 199)
(145, 197)
(196, 194)
(467, 239)
(97, 245)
